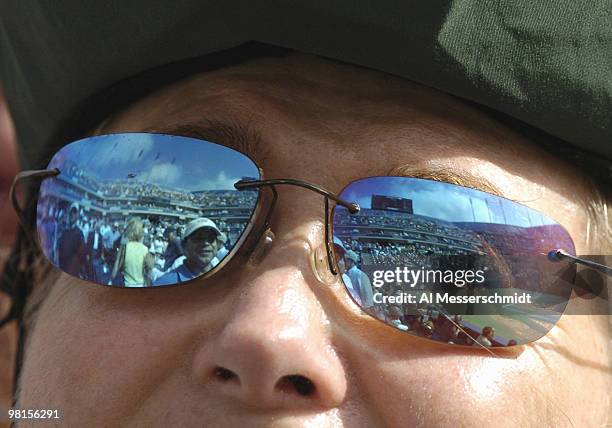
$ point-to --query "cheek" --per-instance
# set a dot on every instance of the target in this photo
(416, 389)
(436, 391)
(81, 353)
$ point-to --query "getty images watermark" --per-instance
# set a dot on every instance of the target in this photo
(407, 278)
(411, 277)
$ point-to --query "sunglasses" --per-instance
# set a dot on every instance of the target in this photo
(433, 259)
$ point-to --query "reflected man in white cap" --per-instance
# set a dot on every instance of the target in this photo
(360, 280)
(340, 251)
(201, 241)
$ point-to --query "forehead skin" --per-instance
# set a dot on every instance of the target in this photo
(144, 357)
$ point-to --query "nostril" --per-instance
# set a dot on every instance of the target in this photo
(224, 374)
(296, 383)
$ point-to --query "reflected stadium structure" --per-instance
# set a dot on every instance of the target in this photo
(138, 210)
(511, 253)
(124, 198)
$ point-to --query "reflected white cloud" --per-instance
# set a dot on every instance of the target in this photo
(164, 173)
(178, 162)
(222, 181)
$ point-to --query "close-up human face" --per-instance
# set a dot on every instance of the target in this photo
(200, 248)
(348, 262)
(274, 344)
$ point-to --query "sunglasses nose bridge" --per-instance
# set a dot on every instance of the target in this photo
(323, 259)
(318, 259)
(262, 247)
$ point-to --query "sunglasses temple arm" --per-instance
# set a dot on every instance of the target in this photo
(351, 206)
(23, 175)
(559, 255)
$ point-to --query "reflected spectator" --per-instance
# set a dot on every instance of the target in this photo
(340, 251)
(158, 245)
(134, 262)
(174, 249)
(486, 338)
(201, 241)
(360, 280)
(449, 329)
(395, 315)
(426, 329)
(84, 226)
(223, 251)
(49, 232)
(71, 245)
(95, 256)
(110, 240)
(105, 229)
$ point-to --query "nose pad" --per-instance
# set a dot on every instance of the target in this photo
(263, 247)
(318, 260)
(321, 267)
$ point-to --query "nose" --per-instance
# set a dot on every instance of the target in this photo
(274, 350)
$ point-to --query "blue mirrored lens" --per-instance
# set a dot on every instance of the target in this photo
(135, 210)
(450, 263)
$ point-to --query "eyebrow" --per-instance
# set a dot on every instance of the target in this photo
(246, 139)
(241, 137)
(447, 175)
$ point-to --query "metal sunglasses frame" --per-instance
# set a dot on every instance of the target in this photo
(15, 313)
(352, 207)
(555, 255)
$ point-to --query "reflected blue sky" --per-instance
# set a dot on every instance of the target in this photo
(168, 161)
(446, 201)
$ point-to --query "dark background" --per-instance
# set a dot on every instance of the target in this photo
(8, 227)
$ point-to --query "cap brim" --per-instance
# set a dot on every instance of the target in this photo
(554, 78)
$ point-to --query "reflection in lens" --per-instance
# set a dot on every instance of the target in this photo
(450, 263)
(137, 210)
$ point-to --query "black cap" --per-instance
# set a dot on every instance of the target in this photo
(548, 65)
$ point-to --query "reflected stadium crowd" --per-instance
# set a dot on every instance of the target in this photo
(130, 233)
(388, 238)
(107, 252)
(435, 325)
(127, 233)
(378, 238)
